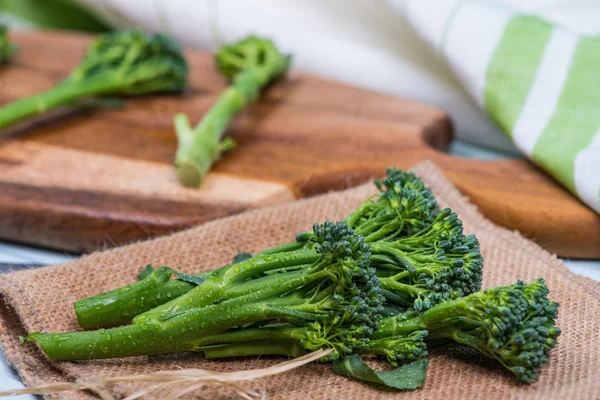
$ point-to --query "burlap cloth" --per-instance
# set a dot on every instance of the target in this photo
(42, 299)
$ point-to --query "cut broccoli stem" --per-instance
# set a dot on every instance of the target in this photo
(250, 64)
(171, 329)
(152, 334)
(117, 63)
(276, 331)
(222, 280)
(119, 306)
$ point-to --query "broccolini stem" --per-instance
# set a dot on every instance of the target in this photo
(201, 146)
(396, 326)
(220, 281)
(159, 331)
(388, 249)
(291, 246)
(264, 347)
(250, 64)
(278, 331)
(379, 227)
(436, 320)
(119, 306)
(63, 94)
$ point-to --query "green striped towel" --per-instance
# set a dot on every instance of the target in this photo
(538, 81)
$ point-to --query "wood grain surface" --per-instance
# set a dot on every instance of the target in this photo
(79, 180)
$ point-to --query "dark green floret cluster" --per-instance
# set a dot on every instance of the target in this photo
(395, 279)
(513, 324)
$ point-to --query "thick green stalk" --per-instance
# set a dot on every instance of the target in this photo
(397, 288)
(223, 279)
(200, 147)
(144, 295)
(174, 328)
(65, 93)
(119, 306)
(448, 314)
(151, 336)
(280, 339)
(264, 347)
(277, 331)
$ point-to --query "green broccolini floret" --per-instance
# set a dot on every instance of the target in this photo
(337, 296)
(117, 63)
(513, 324)
(7, 48)
(398, 350)
(403, 206)
(436, 264)
(250, 64)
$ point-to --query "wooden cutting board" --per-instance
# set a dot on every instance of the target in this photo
(99, 178)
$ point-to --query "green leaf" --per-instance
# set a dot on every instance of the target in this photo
(407, 377)
(239, 257)
(193, 279)
(148, 269)
(54, 14)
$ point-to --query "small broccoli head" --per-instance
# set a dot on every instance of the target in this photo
(350, 294)
(456, 273)
(398, 181)
(7, 49)
(403, 207)
(517, 326)
(398, 349)
(526, 349)
(437, 264)
(252, 53)
(348, 259)
(135, 63)
(444, 233)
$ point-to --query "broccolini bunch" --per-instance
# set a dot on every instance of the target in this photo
(395, 279)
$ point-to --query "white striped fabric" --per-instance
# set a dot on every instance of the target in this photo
(587, 171)
(546, 89)
(487, 27)
(539, 82)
